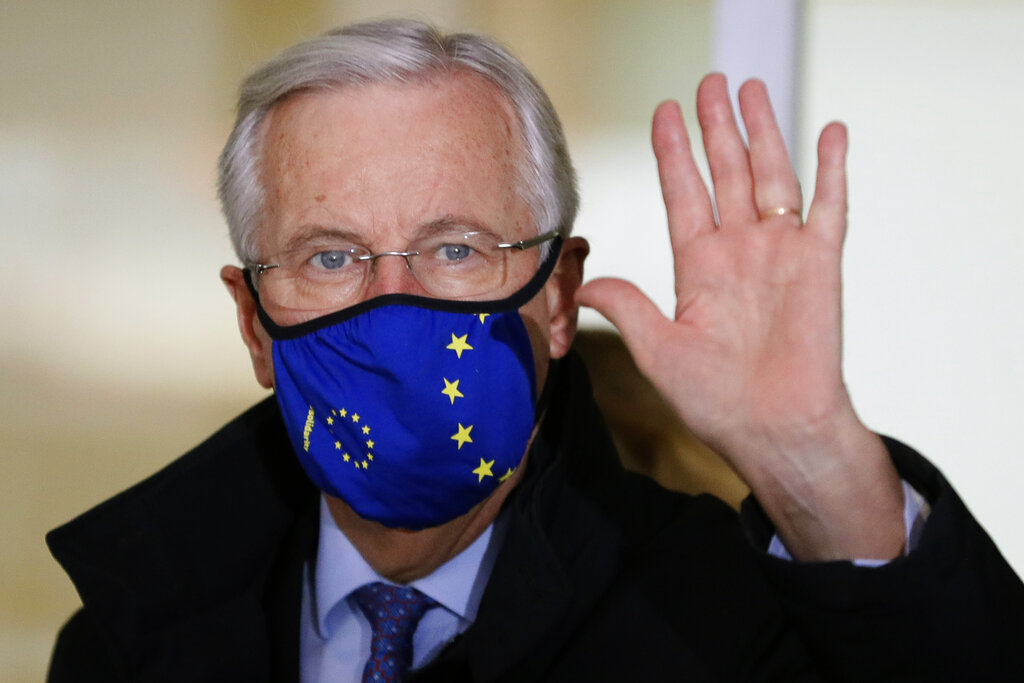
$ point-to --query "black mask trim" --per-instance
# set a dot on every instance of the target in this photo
(516, 300)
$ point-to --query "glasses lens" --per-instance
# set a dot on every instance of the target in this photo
(459, 265)
(315, 278)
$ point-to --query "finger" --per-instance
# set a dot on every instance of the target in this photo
(687, 202)
(827, 215)
(635, 316)
(727, 154)
(775, 184)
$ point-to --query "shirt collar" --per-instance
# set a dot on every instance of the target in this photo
(457, 585)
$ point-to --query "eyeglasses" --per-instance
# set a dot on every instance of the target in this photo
(449, 265)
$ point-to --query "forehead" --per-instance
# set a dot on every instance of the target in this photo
(384, 158)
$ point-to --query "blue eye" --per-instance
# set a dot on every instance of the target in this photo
(454, 252)
(332, 260)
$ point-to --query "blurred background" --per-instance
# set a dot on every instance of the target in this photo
(118, 345)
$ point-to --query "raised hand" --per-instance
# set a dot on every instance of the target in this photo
(752, 358)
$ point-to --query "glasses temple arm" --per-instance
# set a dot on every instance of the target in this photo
(532, 242)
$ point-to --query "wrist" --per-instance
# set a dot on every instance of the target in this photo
(832, 495)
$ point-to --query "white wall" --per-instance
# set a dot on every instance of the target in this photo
(932, 94)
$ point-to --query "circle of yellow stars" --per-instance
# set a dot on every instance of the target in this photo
(357, 462)
(451, 390)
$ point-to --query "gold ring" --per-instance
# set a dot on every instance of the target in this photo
(781, 211)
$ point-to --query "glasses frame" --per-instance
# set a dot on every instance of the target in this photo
(521, 245)
(258, 269)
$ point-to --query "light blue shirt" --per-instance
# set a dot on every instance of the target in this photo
(335, 635)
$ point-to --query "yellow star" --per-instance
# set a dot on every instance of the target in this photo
(343, 412)
(346, 457)
(459, 345)
(330, 420)
(369, 443)
(369, 456)
(507, 474)
(366, 429)
(355, 417)
(337, 445)
(482, 316)
(365, 464)
(484, 470)
(463, 435)
(451, 389)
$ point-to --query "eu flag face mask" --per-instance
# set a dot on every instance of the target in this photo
(411, 410)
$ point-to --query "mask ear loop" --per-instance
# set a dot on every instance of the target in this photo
(516, 300)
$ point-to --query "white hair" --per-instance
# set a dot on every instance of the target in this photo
(400, 51)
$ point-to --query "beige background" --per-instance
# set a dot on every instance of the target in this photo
(118, 349)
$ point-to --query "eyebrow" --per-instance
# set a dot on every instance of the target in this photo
(449, 222)
(319, 233)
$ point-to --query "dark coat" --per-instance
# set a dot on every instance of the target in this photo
(195, 575)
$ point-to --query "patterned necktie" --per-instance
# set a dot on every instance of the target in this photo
(393, 612)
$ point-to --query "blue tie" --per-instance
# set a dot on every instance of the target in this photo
(393, 613)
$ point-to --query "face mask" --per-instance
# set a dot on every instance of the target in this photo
(411, 410)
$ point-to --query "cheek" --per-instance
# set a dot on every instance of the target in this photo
(536, 317)
(264, 362)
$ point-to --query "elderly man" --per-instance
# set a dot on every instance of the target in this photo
(431, 494)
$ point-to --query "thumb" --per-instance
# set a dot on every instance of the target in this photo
(631, 311)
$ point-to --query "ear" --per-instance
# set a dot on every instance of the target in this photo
(560, 290)
(254, 336)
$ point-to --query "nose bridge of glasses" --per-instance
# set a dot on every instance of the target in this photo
(374, 257)
(382, 278)
(374, 264)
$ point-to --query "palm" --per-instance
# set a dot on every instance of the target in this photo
(755, 340)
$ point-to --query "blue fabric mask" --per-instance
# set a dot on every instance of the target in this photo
(411, 410)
